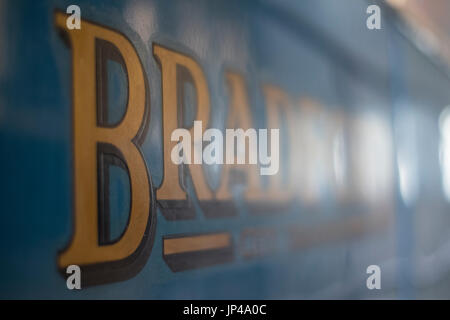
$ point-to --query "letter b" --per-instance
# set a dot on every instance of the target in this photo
(92, 140)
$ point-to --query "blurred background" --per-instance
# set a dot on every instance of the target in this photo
(365, 151)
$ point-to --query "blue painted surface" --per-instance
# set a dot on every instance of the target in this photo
(309, 48)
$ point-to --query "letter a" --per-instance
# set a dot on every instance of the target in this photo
(374, 20)
(374, 280)
(74, 280)
(74, 21)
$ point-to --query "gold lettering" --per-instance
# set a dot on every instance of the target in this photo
(171, 188)
(87, 134)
